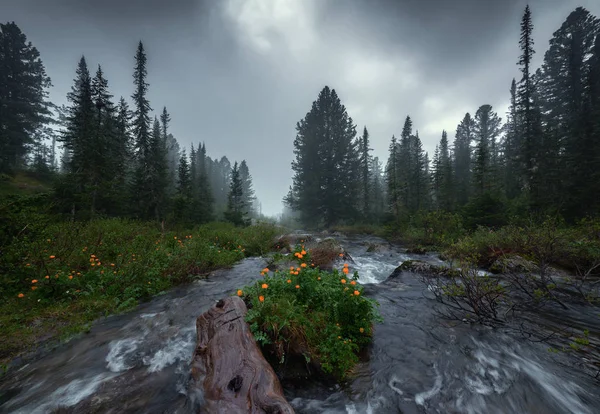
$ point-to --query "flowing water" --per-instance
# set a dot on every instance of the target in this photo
(139, 362)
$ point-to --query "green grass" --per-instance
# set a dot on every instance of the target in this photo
(58, 278)
(322, 317)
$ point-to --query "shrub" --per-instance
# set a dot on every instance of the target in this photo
(59, 276)
(322, 316)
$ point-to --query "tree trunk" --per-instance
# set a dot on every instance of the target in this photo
(229, 367)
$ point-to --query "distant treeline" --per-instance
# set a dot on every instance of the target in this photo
(115, 161)
(544, 158)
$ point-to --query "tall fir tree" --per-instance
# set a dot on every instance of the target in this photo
(236, 212)
(392, 179)
(24, 105)
(487, 127)
(512, 145)
(462, 159)
(525, 92)
(247, 189)
(442, 176)
(142, 192)
(564, 92)
(158, 174)
(78, 144)
(325, 184)
(365, 173)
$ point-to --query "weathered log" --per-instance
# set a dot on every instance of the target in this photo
(229, 366)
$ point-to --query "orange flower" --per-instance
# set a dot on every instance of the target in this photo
(239, 292)
(264, 286)
(292, 268)
(353, 282)
(303, 265)
(297, 269)
(266, 270)
(33, 287)
(34, 281)
(296, 273)
(343, 281)
(289, 280)
(297, 286)
(361, 330)
(52, 257)
(319, 278)
(21, 295)
(345, 270)
(356, 293)
(303, 252)
(47, 277)
(341, 254)
(92, 256)
(345, 264)
(261, 298)
(70, 277)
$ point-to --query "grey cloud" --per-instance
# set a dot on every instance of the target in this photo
(238, 74)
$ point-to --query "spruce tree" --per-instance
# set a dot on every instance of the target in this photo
(247, 189)
(79, 153)
(142, 192)
(378, 205)
(182, 204)
(564, 92)
(158, 173)
(325, 182)
(462, 159)
(442, 176)
(236, 212)
(405, 165)
(512, 146)
(365, 173)
(392, 179)
(24, 105)
(486, 128)
(204, 212)
(419, 189)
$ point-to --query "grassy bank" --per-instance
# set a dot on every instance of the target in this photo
(574, 247)
(58, 278)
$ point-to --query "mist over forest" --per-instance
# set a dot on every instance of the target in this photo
(430, 157)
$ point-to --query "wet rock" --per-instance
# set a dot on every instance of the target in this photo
(424, 268)
(513, 264)
(416, 250)
(229, 367)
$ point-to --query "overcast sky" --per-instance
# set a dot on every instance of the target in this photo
(239, 74)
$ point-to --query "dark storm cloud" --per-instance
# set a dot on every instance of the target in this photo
(239, 74)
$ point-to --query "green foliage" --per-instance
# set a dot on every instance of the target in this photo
(79, 271)
(487, 210)
(434, 228)
(320, 315)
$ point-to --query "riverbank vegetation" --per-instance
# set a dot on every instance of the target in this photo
(303, 312)
(59, 277)
(100, 206)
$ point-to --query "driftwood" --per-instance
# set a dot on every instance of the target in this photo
(229, 367)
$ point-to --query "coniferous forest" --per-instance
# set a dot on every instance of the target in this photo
(102, 208)
(117, 158)
(540, 158)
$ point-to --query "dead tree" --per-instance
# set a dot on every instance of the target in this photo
(228, 366)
